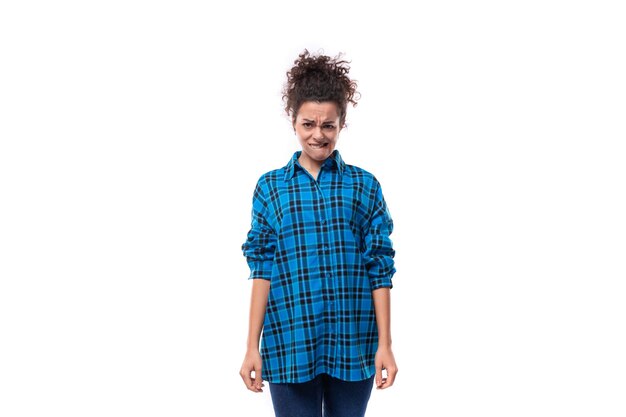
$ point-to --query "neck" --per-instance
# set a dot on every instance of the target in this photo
(311, 165)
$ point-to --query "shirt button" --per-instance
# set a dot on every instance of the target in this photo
(328, 275)
(325, 247)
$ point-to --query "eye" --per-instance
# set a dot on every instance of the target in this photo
(329, 127)
(307, 124)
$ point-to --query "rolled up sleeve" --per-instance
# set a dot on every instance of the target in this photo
(379, 252)
(260, 244)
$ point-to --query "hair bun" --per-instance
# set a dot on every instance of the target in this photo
(319, 78)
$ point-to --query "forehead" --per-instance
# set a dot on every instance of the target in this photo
(314, 110)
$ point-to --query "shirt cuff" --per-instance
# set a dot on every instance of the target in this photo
(381, 282)
(261, 269)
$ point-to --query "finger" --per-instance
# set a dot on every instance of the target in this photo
(247, 379)
(253, 387)
(379, 376)
(258, 380)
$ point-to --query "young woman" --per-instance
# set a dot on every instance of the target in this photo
(321, 261)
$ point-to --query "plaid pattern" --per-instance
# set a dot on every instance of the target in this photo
(324, 245)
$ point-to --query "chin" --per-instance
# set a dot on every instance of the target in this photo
(320, 156)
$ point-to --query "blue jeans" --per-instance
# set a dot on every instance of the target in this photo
(336, 397)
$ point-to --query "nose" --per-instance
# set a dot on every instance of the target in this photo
(317, 134)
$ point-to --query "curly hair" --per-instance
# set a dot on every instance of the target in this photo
(319, 78)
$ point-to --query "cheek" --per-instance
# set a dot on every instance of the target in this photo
(301, 134)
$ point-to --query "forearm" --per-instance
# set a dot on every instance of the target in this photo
(258, 302)
(382, 307)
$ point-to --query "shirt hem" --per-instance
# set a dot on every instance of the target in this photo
(370, 373)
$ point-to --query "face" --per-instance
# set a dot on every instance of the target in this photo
(317, 128)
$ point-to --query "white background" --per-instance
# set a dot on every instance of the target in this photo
(133, 132)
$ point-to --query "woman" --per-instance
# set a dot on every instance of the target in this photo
(321, 262)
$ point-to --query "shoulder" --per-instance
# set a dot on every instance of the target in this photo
(268, 180)
(361, 176)
(272, 175)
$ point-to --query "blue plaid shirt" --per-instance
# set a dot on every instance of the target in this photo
(324, 245)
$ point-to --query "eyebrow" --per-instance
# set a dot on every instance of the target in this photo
(313, 121)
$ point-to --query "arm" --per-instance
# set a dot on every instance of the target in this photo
(252, 361)
(384, 354)
(260, 243)
(379, 254)
(259, 250)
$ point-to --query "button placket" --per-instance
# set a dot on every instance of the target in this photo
(330, 284)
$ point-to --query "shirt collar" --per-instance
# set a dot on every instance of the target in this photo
(334, 159)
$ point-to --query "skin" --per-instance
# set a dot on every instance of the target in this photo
(317, 127)
(384, 355)
(252, 360)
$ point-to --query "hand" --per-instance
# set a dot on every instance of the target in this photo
(385, 361)
(252, 363)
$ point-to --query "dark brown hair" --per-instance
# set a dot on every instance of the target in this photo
(319, 78)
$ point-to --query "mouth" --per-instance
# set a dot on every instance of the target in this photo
(318, 145)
